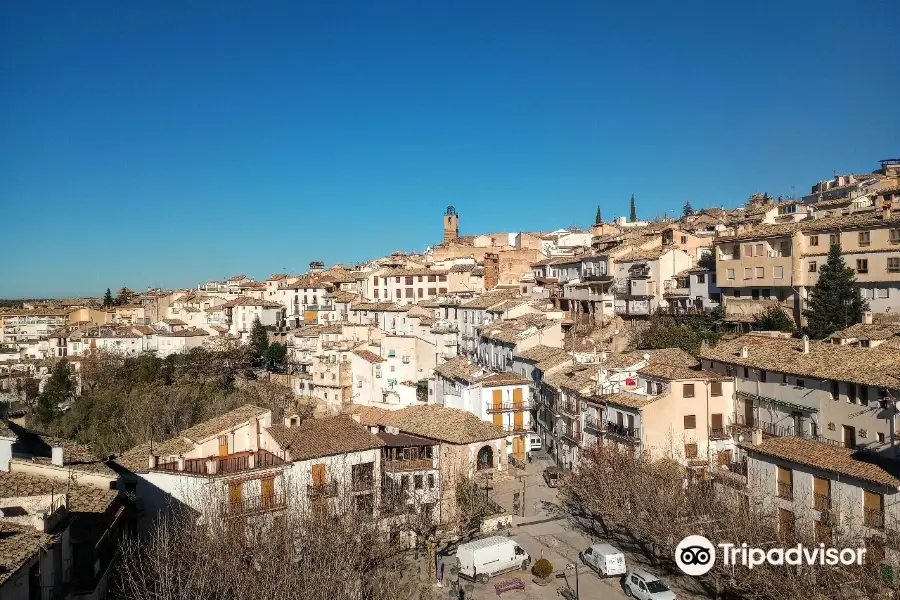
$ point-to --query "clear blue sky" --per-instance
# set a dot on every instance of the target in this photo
(167, 143)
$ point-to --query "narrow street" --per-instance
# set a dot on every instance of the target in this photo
(546, 531)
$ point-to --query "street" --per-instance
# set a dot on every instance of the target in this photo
(547, 532)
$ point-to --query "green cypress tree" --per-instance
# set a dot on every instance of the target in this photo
(599, 218)
(834, 302)
(633, 216)
(688, 209)
(60, 388)
(258, 342)
(108, 299)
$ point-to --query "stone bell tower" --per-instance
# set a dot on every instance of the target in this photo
(451, 224)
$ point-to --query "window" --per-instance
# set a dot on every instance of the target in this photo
(409, 293)
(813, 267)
(404, 482)
(862, 265)
(813, 240)
(715, 388)
(766, 293)
(418, 482)
(759, 251)
(690, 421)
(730, 273)
(432, 291)
(375, 280)
(701, 278)
(760, 272)
(688, 390)
(851, 393)
(834, 238)
(801, 383)
(421, 292)
(409, 280)
(690, 450)
(748, 273)
(442, 278)
(442, 290)
(881, 292)
(431, 481)
(893, 264)
(785, 483)
(398, 280)
(737, 293)
(895, 236)
(880, 436)
(849, 437)
(864, 238)
(376, 292)
(778, 273)
(746, 373)
(431, 279)
(762, 376)
(835, 390)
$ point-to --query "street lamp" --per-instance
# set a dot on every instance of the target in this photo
(574, 566)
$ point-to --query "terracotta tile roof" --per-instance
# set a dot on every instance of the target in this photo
(861, 220)
(18, 545)
(554, 361)
(512, 331)
(489, 299)
(249, 301)
(342, 296)
(376, 306)
(82, 498)
(538, 353)
(190, 332)
(231, 419)
(329, 436)
(861, 331)
(368, 355)
(508, 305)
(462, 268)
(175, 321)
(412, 272)
(642, 255)
(877, 367)
(503, 378)
(578, 377)
(630, 400)
(76, 456)
(310, 331)
(843, 461)
(459, 368)
(435, 422)
(237, 278)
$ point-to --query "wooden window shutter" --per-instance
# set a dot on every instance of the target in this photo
(716, 388)
(318, 474)
(872, 500)
(821, 486)
(517, 398)
(717, 421)
(519, 420)
(690, 450)
(688, 390)
(223, 445)
(690, 421)
(784, 475)
(498, 399)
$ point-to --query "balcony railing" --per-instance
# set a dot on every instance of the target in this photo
(785, 490)
(718, 433)
(255, 504)
(678, 291)
(508, 406)
(821, 501)
(322, 490)
(572, 435)
(418, 464)
(593, 424)
(513, 428)
(874, 518)
(632, 434)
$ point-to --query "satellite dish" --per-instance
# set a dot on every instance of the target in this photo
(741, 438)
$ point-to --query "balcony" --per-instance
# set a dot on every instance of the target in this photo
(595, 425)
(255, 504)
(822, 502)
(572, 436)
(785, 490)
(873, 517)
(322, 490)
(677, 292)
(419, 464)
(570, 409)
(623, 433)
(223, 465)
(718, 434)
(490, 407)
(639, 271)
(514, 428)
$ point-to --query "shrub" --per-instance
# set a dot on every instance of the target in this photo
(542, 568)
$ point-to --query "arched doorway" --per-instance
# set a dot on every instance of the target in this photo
(485, 458)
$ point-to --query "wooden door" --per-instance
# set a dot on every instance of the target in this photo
(268, 492)
(498, 406)
(519, 448)
(236, 496)
(517, 398)
(318, 474)
(519, 420)
(748, 413)
(785, 523)
(724, 458)
(823, 533)
(223, 445)
(717, 423)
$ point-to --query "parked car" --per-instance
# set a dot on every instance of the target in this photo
(607, 560)
(534, 442)
(553, 476)
(479, 560)
(646, 586)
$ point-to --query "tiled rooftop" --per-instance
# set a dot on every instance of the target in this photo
(435, 422)
(329, 436)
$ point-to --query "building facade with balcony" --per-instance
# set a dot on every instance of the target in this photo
(240, 465)
(832, 494)
(498, 341)
(503, 399)
(640, 277)
(836, 394)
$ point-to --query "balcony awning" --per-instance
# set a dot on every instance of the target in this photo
(778, 402)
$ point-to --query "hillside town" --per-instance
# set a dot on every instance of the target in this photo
(481, 384)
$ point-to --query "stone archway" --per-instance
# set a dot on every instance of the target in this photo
(485, 458)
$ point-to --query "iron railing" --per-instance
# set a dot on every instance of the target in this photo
(254, 504)
(821, 501)
(874, 518)
(322, 490)
(785, 490)
(629, 433)
(508, 406)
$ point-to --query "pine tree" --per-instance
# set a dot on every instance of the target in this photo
(60, 388)
(108, 299)
(834, 302)
(633, 217)
(275, 355)
(599, 218)
(688, 209)
(258, 342)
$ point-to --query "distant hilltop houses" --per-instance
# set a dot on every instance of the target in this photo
(457, 363)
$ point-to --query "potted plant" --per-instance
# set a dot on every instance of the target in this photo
(542, 570)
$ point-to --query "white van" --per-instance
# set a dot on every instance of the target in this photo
(605, 559)
(481, 559)
(534, 442)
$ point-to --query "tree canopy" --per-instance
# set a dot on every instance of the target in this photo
(258, 342)
(633, 215)
(599, 218)
(108, 299)
(835, 301)
(688, 209)
(774, 319)
(59, 389)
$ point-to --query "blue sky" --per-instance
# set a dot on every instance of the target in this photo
(169, 143)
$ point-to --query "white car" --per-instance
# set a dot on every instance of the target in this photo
(645, 586)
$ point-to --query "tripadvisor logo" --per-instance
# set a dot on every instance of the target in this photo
(696, 555)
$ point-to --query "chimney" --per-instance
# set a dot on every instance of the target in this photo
(56, 455)
(355, 417)
(745, 351)
(805, 344)
(756, 436)
(886, 212)
(867, 317)
(152, 462)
